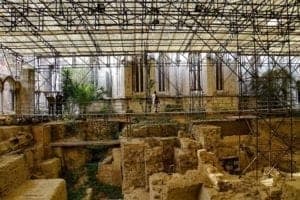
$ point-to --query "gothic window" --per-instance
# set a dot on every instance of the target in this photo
(195, 71)
(219, 75)
(137, 76)
(162, 73)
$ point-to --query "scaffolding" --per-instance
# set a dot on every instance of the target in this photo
(258, 36)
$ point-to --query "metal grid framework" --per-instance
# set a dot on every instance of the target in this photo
(95, 27)
(237, 28)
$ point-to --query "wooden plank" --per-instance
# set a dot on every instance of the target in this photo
(85, 143)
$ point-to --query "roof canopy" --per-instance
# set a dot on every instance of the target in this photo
(124, 27)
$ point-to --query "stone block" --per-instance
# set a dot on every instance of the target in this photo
(153, 161)
(100, 130)
(58, 131)
(40, 189)
(137, 194)
(38, 153)
(189, 144)
(175, 186)
(7, 132)
(116, 154)
(205, 157)
(218, 179)
(116, 167)
(105, 173)
(42, 134)
(89, 194)
(235, 140)
(5, 147)
(133, 166)
(29, 158)
(156, 183)
(185, 160)
(208, 136)
(291, 189)
(152, 130)
(109, 170)
(51, 168)
(13, 172)
(224, 152)
(169, 144)
(74, 158)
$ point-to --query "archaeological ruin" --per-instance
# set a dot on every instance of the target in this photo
(150, 100)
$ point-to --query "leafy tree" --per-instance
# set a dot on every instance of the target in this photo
(67, 84)
(272, 88)
(81, 94)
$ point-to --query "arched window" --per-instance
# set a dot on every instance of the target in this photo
(8, 95)
(219, 74)
(163, 73)
(137, 75)
(195, 68)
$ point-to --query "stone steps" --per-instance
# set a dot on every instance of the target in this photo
(14, 183)
(13, 172)
(40, 189)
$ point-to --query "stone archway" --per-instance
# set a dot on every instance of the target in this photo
(8, 95)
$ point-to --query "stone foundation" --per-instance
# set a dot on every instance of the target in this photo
(51, 168)
(145, 156)
(44, 189)
(109, 170)
(176, 186)
(13, 172)
(208, 136)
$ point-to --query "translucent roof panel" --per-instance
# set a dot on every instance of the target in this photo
(109, 27)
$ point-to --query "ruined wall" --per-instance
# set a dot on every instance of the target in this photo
(13, 138)
(25, 99)
(151, 130)
(12, 173)
(84, 130)
(229, 126)
(144, 157)
(176, 186)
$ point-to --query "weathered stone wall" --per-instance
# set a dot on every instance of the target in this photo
(133, 164)
(291, 189)
(84, 130)
(109, 171)
(143, 157)
(42, 138)
(46, 189)
(228, 126)
(221, 103)
(186, 155)
(51, 168)
(25, 98)
(175, 186)
(13, 172)
(13, 138)
(151, 130)
(208, 136)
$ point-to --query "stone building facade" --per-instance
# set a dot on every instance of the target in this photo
(16, 86)
(200, 82)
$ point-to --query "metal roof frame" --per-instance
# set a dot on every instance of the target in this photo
(126, 27)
